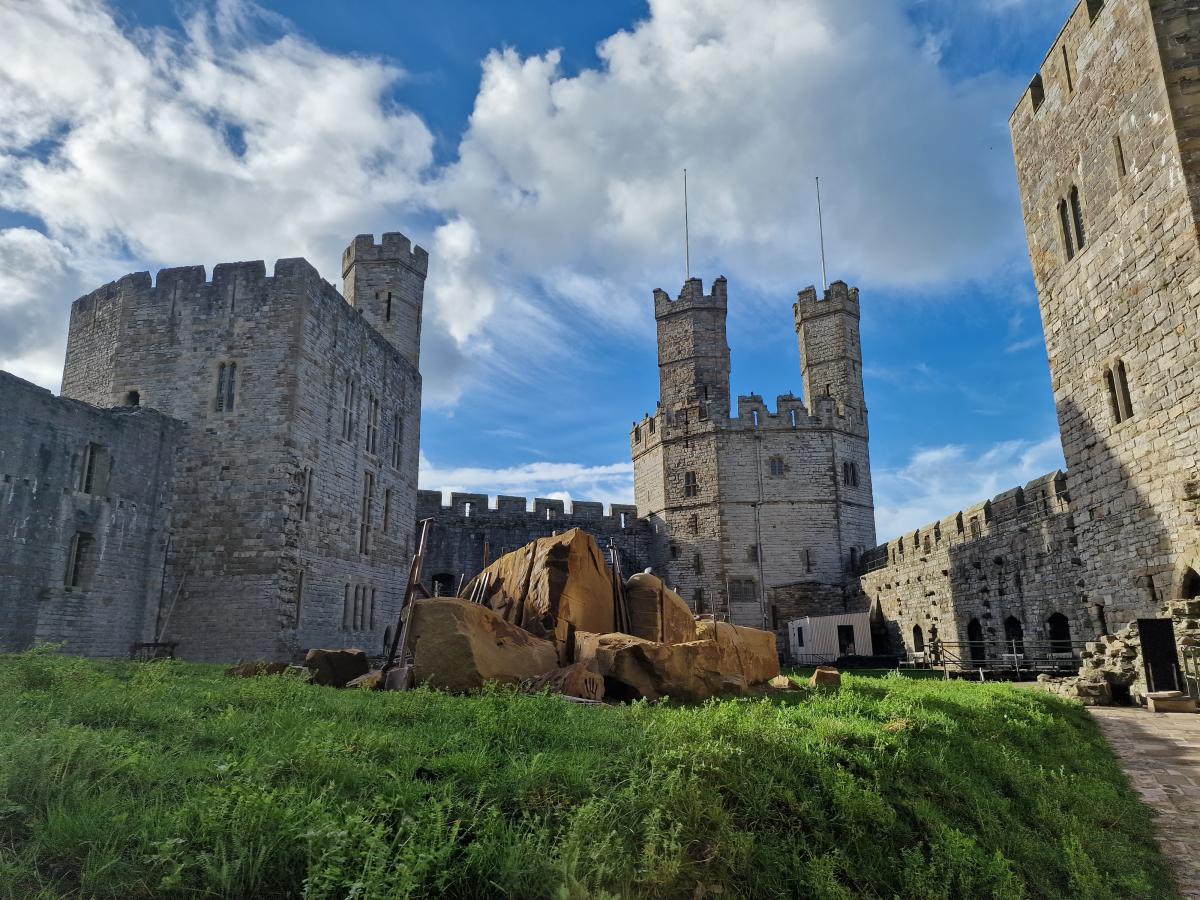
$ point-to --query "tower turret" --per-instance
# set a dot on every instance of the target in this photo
(830, 350)
(693, 352)
(386, 281)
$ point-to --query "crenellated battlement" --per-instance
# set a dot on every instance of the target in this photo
(692, 296)
(838, 297)
(479, 506)
(1041, 497)
(393, 247)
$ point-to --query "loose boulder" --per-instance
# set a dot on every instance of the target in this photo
(826, 677)
(635, 668)
(576, 680)
(458, 646)
(657, 613)
(552, 588)
(255, 669)
(336, 668)
(751, 651)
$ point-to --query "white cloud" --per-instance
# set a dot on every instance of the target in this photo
(564, 481)
(939, 481)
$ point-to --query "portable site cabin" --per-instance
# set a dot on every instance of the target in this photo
(815, 640)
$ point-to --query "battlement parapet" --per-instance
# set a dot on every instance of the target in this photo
(789, 412)
(477, 506)
(692, 296)
(1041, 498)
(393, 247)
(838, 297)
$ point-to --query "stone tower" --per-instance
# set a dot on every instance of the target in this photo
(386, 281)
(762, 515)
(1108, 160)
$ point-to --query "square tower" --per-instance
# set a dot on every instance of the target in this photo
(1108, 160)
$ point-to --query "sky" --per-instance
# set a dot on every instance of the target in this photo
(536, 149)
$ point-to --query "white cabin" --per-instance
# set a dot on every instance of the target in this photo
(815, 640)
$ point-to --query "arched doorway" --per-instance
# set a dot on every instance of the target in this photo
(1060, 633)
(1189, 585)
(975, 641)
(1014, 635)
(918, 639)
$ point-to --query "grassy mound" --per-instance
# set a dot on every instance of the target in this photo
(169, 780)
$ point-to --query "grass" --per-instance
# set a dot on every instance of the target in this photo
(170, 780)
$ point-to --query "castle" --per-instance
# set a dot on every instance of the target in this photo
(231, 467)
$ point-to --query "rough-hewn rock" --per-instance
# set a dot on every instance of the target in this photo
(753, 652)
(552, 588)
(255, 669)
(576, 680)
(782, 683)
(336, 668)
(634, 668)
(657, 613)
(826, 677)
(458, 645)
(372, 681)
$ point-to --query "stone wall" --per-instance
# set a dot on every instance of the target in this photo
(1109, 128)
(288, 471)
(72, 473)
(467, 527)
(1013, 556)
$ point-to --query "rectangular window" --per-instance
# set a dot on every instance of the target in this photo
(348, 410)
(976, 530)
(698, 563)
(372, 424)
(79, 561)
(703, 413)
(299, 595)
(652, 426)
(799, 636)
(752, 553)
(397, 441)
(690, 486)
(1119, 156)
(776, 465)
(226, 387)
(366, 511)
(387, 510)
(93, 473)
(306, 493)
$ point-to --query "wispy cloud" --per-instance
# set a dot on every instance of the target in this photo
(1025, 344)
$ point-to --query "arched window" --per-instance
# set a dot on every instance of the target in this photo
(1077, 218)
(975, 641)
(1064, 222)
(918, 639)
(1060, 633)
(133, 398)
(1014, 635)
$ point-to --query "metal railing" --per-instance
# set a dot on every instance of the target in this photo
(1011, 658)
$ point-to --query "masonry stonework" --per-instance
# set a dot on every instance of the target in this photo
(759, 516)
(1107, 158)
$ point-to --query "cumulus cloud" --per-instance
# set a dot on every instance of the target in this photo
(938, 481)
(561, 481)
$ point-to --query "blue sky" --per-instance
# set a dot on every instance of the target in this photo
(535, 148)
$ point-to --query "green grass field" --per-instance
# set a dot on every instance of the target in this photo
(170, 780)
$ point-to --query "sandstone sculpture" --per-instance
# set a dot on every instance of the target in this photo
(657, 612)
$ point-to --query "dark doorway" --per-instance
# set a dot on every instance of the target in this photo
(845, 640)
(443, 585)
(1014, 635)
(1189, 588)
(975, 641)
(1060, 633)
(918, 639)
(1159, 656)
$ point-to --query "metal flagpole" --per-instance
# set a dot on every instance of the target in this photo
(821, 229)
(687, 249)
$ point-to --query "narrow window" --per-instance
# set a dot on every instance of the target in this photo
(1067, 69)
(776, 465)
(1114, 402)
(387, 510)
(347, 609)
(754, 415)
(367, 508)
(79, 560)
(397, 440)
(698, 600)
(976, 530)
(93, 474)
(674, 551)
(1037, 92)
(703, 413)
(622, 520)
(1077, 218)
(348, 410)
(792, 415)
(637, 433)
(807, 560)
(1064, 221)
(358, 607)
(698, 562)
(231, 387)
(752, 553)
(306, 493)
(371, 611)
(928, 544)
(372, 423)
(299, 595)
(387, 307)
(222, 378)
(1119, 156)
(1123, 391)
(652, 426)
(799, 636)
(690, 486)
